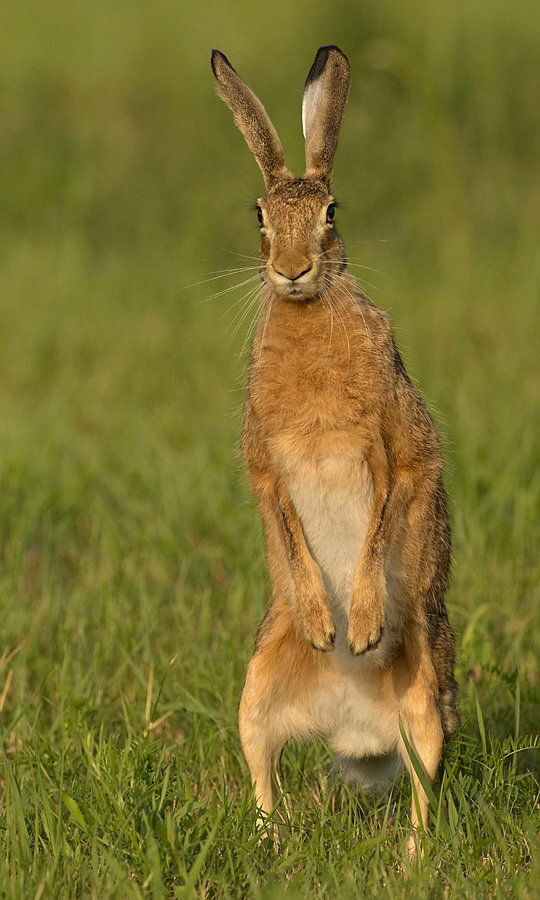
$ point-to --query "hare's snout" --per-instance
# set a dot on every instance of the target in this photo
(293, 272)
(293, 275)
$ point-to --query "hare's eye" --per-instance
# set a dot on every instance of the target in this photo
(260, 216)
(330, 213)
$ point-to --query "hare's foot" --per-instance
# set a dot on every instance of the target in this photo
(269, 833)
(366, 619)
(316, 623)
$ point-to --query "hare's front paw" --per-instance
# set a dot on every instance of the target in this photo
(366, 620)
(317, 624)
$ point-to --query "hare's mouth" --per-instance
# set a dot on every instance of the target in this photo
(296, 292)
(296, 286)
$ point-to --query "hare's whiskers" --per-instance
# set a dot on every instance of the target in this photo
(249, 300)
(265, 293)
(331, 296)
(223, 273)
(233, 287)
(242, 255)
(344, 327)
(331, 308)
(268, 312)
(361, 281)
(362, 265)
(358, 305)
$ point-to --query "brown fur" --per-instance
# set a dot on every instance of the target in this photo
(338, 444)
(252, 119)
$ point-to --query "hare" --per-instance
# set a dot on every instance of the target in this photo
(345, 463)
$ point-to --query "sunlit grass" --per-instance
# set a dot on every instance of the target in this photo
(132, 572)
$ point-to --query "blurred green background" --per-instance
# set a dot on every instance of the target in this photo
(128, 536)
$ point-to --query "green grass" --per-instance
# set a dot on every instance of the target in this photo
(132, 577)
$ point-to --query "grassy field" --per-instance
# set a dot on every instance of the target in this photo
(132, 577)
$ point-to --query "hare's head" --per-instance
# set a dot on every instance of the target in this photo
(300, 248)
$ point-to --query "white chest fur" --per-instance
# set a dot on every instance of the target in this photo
(333, 495)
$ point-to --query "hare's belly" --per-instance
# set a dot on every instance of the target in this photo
(355, 716)
(333, 496)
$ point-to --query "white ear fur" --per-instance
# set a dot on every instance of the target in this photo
(310, 103)
(323, 104)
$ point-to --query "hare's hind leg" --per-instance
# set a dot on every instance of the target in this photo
(420, 742)
(262, 740)
(261, 749)
(273, 704)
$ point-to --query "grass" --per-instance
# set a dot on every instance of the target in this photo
(132, 572)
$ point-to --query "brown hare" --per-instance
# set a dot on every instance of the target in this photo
(345, 462)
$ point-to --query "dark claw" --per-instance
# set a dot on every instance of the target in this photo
(331, 638)
(371, 646)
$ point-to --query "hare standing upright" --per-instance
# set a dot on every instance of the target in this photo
(345, 462)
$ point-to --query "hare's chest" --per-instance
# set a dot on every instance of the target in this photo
(332, 490)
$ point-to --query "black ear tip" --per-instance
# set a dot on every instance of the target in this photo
(320, 60)
(216, 58)
(327, 50)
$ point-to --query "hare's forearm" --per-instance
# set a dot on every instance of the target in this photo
(368, 599)
(289, 561)
(302, 567)
(277, 509)
(405, 466)
(403, 511)
(389, 512)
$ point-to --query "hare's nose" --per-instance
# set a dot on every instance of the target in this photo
(293, 273)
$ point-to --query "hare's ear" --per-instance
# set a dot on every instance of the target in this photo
(251, 118)
(325, 96)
